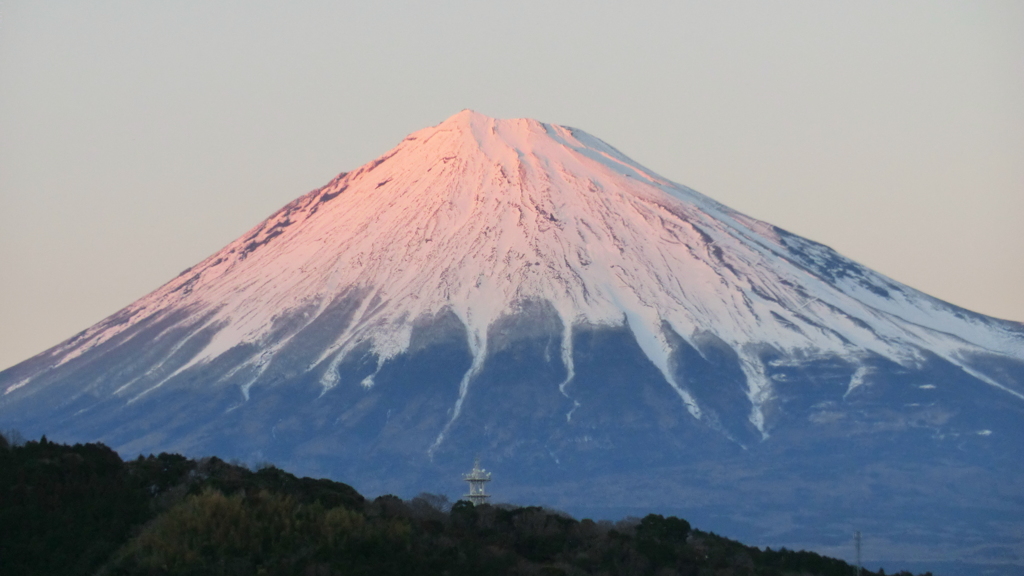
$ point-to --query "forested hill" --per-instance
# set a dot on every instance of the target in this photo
(82, 510)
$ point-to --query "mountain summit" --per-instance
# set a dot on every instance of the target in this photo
(527, 291)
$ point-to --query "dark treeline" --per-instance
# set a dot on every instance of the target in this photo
(82, 510)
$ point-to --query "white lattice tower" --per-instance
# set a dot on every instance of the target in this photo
(477, 478)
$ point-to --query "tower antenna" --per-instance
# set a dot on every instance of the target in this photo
(477, 477)
(856, 542)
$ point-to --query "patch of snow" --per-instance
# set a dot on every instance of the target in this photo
(478, 347)
(857, 380)
(568, 415)
(16, 385)
(759, 389)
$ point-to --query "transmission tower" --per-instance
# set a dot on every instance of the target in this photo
(477, 477)
(856, 543)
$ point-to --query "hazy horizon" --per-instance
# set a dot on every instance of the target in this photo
(135, 140)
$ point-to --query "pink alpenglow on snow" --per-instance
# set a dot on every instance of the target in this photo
(477, 215)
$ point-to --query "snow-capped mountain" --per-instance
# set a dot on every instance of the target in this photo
(526, 290)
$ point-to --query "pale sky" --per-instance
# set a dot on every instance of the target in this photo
(137, 138)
